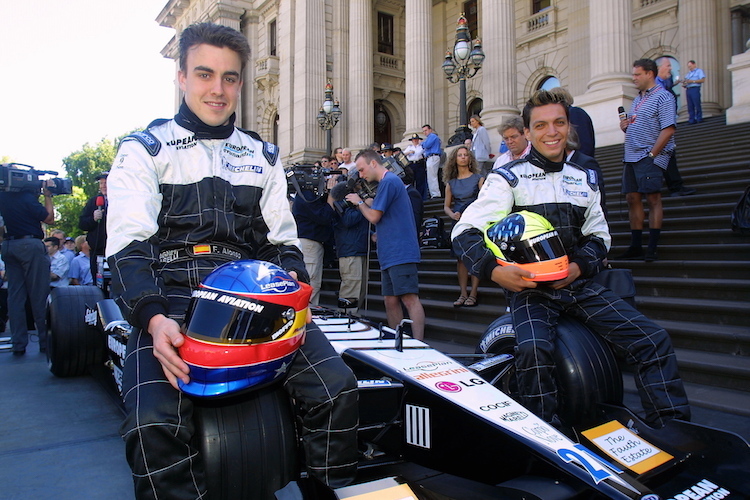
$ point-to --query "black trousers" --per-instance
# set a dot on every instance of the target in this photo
(158, 426)
(645, 344)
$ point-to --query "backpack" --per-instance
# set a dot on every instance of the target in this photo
(432, 233)
(741, 215)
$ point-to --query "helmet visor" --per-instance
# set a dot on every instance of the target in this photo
(229, 319)
(544, 247)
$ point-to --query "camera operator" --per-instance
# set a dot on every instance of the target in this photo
(351, 232)
(26, 263)
(313, 217)
(93, 220)
(398, 248)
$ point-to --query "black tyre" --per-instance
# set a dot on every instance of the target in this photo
(248, 444)
(72, 344)
(586, 370)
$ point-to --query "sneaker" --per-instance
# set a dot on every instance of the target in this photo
(632, 253)
(651, 256)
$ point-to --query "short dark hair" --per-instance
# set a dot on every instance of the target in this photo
(53, 239)
(542, 98)
(427, 125)
(213, 34)
(691, 61)
(369, 155)
(647, 65)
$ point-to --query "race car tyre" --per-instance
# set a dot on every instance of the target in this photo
(586, 370)
(248, 444)
(72, 344)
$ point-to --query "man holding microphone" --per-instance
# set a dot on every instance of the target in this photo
(93, 219)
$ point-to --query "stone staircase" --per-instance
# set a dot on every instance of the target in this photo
(699, 290)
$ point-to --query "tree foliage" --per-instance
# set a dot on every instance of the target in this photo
(85, 164)
(82, 167)
(67, 211)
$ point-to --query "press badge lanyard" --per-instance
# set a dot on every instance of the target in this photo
(649, 93)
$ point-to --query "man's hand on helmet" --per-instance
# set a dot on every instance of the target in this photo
(167, 337)
(513, 278)
(574, 272)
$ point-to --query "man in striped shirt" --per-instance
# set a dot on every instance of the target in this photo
(649, 141)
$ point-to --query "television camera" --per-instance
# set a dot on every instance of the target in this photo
(398, 164)
(312, 178)
(16, 178)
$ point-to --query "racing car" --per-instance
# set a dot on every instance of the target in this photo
(435, 425)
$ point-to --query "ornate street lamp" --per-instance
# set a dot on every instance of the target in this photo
(329, 115)
(462, 63)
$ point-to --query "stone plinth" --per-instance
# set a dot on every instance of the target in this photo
(740, 70)
(601, 105)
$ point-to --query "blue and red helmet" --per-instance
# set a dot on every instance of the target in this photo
(243, 328)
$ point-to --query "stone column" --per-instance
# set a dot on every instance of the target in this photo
(740, 70)
(285, 47)
(499, 82)
(611, 84)
(309, 77)
(419, 88)
(229, 15)
(360, 110)
(698, 42)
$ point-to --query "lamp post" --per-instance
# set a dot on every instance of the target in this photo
(329, 115)
(462, 63)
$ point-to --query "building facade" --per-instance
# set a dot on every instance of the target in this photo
(384, 60)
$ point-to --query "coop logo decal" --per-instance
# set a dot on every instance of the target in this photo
(495, 406)
(448, 386)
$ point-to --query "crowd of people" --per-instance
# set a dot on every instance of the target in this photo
(372, 200)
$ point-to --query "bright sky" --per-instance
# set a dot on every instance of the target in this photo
(75, 71)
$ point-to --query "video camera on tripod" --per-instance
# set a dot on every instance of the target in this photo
(16, 178)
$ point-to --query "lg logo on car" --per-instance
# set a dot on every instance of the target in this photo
(495, 406)
(448, 386)
(514, 416)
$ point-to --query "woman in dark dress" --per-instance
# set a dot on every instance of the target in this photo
(462, 183)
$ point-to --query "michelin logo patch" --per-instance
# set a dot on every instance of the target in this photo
(238, 169)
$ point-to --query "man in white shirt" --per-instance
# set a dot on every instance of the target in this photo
(415, 154)
(511, 131)
(59, 264)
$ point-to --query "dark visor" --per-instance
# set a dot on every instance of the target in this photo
(525, 252)
(243, 323)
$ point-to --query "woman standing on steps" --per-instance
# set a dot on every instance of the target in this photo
(462, 183)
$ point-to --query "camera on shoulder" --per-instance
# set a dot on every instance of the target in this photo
(312, 178)
(17, 177)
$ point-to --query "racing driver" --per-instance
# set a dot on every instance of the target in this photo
(185, 196)
(568, 197)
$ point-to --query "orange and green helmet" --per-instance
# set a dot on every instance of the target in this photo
(528, 240)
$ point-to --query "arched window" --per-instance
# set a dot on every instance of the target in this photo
(475, 108)
(677, 89)
(548, 83)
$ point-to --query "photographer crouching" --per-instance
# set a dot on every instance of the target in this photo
(26, 263)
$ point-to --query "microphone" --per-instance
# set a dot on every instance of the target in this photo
(339, 191)
(99, 204)
(622, 113)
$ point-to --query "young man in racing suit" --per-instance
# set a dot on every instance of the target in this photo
(185, 196)
(568, 197)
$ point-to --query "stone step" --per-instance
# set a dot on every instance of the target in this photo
(697, 288)
(717, 370)
(717, 312)
(736, 403)
(707, 337)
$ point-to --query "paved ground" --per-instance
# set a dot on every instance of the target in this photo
(59, 438)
